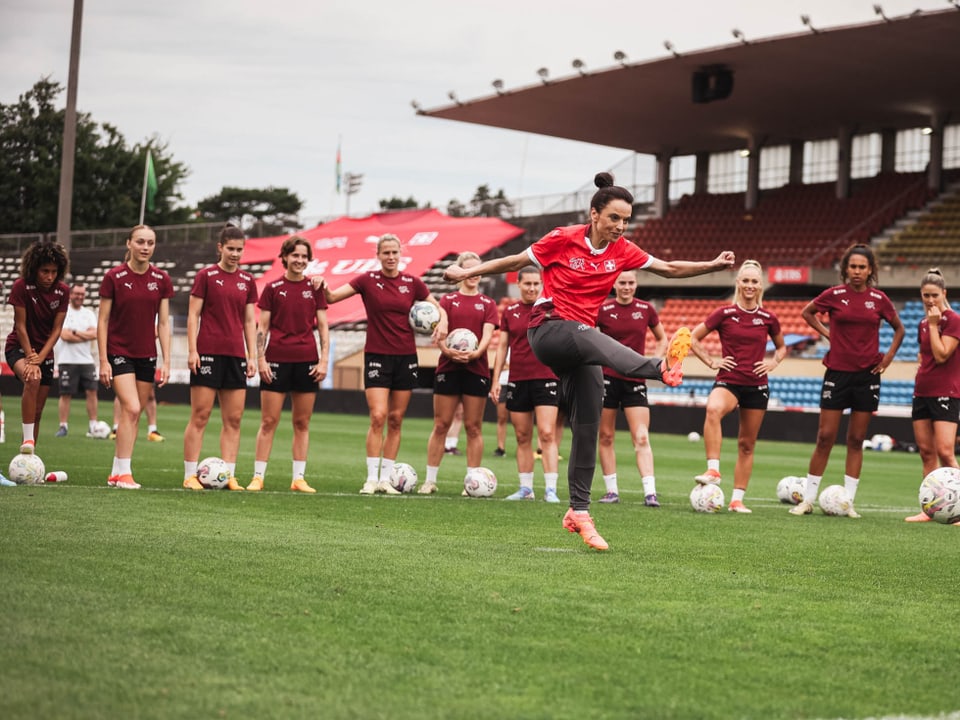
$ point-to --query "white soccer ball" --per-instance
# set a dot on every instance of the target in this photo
(707, 498)
(403, 477)
(424, 317)
(790, 489)
(940, 495)
(213, 473)
(835, 501)
(462, 339)
(693, 436)
(881, 443)
(101, 430)
(480, 482)
(27, 470)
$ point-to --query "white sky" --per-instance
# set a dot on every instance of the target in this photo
(251, 93)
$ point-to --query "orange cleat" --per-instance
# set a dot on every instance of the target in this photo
(256, 485)
(191, 483)
(677, 350)
(126, 482)
(582, 524)
(300, 485)
(919, 517)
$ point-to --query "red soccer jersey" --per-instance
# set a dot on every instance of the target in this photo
(854, 326)
(293, 310)
(577, 278)
(42, 308)
(743, 336)
(938, 380)
(387, 301)
(225, 298)
(471, 312)
(628, 325)
(523, 363)
(132, 329)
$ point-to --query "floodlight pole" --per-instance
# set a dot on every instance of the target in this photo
(65, 199)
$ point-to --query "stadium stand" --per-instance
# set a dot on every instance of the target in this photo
(928, 238)
(792, 225)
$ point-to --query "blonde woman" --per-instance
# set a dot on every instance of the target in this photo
(744, 328)
(462, 375)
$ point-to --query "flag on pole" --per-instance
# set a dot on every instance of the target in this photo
(151, 183)
(339, 168)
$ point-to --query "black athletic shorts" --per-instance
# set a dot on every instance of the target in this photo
(859, 391)
(619, 393)
(461, 382)
(397, 372)
(938, 409)
(525, 395)
(220, 372)
(749, 397)
(145, 369)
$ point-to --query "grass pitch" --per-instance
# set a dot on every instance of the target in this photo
(165, 603)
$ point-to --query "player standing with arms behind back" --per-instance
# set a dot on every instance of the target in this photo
(132, 294)
(292, 316)
(221, 340)
(580, 265)
(936, 392)
(854, 365)
(39, 298)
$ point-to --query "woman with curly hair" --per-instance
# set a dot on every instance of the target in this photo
(39, 298)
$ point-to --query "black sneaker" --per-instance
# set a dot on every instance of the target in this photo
(499, 452)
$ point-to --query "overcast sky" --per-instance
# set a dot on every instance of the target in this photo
(251, 93)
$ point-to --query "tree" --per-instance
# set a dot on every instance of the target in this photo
(396, 203)
(482, 204)
(260, 212)
(108, 175)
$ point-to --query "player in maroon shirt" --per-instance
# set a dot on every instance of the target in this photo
(39, 298)
(222, 353)
(532, 391)
(744, 328)
(626, 319)
(936, 392)
(389, 354)
(462, 375)
(293, 314)
(854, 365)
(132, 294)
(580, 265)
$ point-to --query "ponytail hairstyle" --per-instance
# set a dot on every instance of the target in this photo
(867, 252)
(229, 232)
(934, 277)
(608, 192)
(748, 265)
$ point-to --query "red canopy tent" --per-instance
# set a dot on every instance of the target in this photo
(347, 247)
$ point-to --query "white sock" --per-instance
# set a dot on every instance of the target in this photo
(260, 468)
(373, 469)
(65, 425)
(610, 481)
(811, 488)
(451, 443)
(189, 468)
(27, 431)
(738, 495)
(299, 468)
(232, 469)
(850, 484)
(649, 484)
(432, 472)
(713, 464)
(550, 480)
(470, 469)
(113, 468)
(526, 480)
(93, 424)
(123, 466)
(151, 428)
(386, 467)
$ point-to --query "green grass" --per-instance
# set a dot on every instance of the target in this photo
(170, 604)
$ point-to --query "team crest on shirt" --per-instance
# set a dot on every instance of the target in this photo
(242, 286)
(308, 294)
(609, 265)
(478, 306)
(870, 305)
(404, 290)
(577, 263)
(637, 315)
(758, 321)
(152, 286)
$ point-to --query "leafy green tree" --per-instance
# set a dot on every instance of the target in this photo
(260, 212)
(482, 204)
(108, 175)
(396, 203)
(455, 208)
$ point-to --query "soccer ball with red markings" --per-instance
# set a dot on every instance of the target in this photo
(462, 339)
(213, 473)
(707, 498)
(403, 477)
(480, 482)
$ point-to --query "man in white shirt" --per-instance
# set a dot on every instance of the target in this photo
(75, 360)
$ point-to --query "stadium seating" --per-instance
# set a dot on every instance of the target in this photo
(933, 239)
(793, 224)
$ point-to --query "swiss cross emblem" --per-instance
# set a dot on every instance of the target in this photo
(610, 265)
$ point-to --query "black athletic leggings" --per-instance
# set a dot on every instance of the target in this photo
(575, 352)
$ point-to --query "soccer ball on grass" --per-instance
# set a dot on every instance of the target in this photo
(790, 489)
(403, 477)
(707, 498)
(480, 482)
(940, 495)
(100, 430)
(27, 470)
(834, 500)
(213, 473)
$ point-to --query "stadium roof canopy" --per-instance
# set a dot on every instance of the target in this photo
(886, 75)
